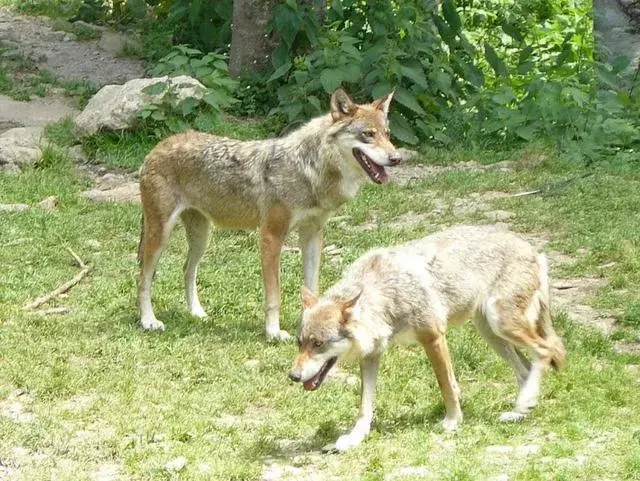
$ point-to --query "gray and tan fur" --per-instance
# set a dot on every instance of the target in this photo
(413, 292)
(274, 185)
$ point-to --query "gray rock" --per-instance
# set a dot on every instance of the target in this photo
(48, 203)
(127, 193)
(116, 107)
(20, 147)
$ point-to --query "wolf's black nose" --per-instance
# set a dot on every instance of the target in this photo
(294, 376)
(395, 158)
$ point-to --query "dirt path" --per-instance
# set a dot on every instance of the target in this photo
(67, 59)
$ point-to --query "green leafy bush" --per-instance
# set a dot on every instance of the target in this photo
(175, 114)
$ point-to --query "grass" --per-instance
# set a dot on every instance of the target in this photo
(104, 393)
(81, 32)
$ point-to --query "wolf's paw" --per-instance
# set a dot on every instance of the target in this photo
(511, 417)
(152, 325)
(451, 425)
(198, 311)
(346, 442)
(279, 336)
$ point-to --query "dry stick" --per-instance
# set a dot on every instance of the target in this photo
(53, 310)
(64, 287)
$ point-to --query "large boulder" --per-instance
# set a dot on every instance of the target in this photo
(20, 147)
(116, 107)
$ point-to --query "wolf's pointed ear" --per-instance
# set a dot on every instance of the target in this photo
(383, 103)
(342, 105)
(351, 302)
(309, 298)
(348, 306)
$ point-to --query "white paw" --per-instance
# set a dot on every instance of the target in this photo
(279, 336)
(511, 417)
(152, 324)
(198, 311)
(347, 441)
(450, 424)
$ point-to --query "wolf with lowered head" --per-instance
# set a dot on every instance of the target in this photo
(274, 185)
(413, 293)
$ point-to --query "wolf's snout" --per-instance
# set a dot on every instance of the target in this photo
(295, 376)
(395, 157)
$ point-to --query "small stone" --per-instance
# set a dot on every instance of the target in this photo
(93, 244)
(13, 207)
(48, 203)
(252, 364)
(176, 465)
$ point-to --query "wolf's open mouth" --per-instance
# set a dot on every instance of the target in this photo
(375, 171)
(314, 383)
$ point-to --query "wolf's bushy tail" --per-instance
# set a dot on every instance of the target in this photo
(545, 327)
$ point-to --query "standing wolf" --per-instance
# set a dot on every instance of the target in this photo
(412, 293)
(274, 185)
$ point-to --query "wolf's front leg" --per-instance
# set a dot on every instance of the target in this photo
(369, 375)
(272, 235)
(311, 246)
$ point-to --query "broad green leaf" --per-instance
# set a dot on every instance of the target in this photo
(496, 63)
(313, 100)
(407, 99)
(415, 74)
(287, 23)
(188, 105)
(441, 137)
(526, 132)
(350, 72)
(450, 14)
(280, 71)
(331, 79)
(444, 30)
(156, 88)
(503, 97)
(620, 63)
(511, 30)
(578, 96)
(401, 129)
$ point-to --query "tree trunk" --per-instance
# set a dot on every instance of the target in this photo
(251, 46)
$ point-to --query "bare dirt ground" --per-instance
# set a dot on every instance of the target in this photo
(61, 55)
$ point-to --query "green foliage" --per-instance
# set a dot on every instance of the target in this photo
(205, 25)
(489, 73)
(177, 113)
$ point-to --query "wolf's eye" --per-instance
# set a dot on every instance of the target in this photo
(317, 343)
(370, 133)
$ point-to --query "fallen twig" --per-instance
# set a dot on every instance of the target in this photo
(53, 310)
(64, 287)
(76, 257)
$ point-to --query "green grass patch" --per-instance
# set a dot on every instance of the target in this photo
(102, 392)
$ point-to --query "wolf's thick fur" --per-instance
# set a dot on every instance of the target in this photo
(274, 185)
(413, 292)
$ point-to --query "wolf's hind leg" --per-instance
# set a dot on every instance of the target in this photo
(505, 349)
(197, 230)
(159, 219)
(510, 322)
